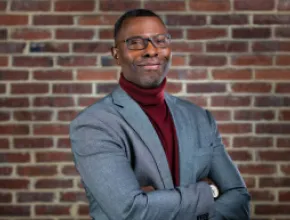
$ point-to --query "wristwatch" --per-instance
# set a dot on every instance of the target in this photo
(214, 190)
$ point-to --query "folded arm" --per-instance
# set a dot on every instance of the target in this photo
(106, 171)
(233, 202)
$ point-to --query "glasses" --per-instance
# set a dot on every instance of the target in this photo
(140, 43)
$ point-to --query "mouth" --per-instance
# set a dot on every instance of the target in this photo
(150, 66)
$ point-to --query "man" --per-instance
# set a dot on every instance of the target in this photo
(143, 154)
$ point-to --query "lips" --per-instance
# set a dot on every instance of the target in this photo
(150, 66)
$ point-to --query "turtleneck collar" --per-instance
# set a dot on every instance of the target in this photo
(145, 97)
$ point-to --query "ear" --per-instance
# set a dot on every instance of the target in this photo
(115, 52)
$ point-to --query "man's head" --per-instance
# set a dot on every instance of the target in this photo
(142, 47)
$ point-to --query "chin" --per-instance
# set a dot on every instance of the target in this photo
(151, 82)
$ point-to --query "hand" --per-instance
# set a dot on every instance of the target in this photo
(147, 188)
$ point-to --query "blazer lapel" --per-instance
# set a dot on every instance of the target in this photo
(187, 139)
(139, 121)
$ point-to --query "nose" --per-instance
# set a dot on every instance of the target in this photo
(151, 50)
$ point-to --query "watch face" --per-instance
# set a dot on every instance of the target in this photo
(215, 191)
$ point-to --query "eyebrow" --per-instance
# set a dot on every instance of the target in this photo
(136, 36)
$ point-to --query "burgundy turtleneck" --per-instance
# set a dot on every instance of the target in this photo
(153, 104)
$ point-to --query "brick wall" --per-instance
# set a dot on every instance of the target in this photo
(231, 56)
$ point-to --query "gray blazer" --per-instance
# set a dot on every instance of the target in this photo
(117, 151)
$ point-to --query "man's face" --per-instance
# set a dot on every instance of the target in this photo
(147, 67)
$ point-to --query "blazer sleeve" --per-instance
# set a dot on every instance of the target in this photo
(106, 172)
(233, 202)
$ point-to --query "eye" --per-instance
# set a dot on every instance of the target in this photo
(135, 41)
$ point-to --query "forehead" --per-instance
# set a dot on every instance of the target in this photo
(141, 26)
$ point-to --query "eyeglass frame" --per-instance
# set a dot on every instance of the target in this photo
(147, 39)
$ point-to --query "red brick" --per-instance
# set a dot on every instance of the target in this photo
(3, 5)
(106, 34)
(267, 101)
(53, 20)
(198, 100)
(11, 47)
(284, 115)
(53, 184)
(258, 195)
(178, 60)
(230, 101)
(36, 170)
(14, 210)
(226, 46)
(96, 74)
(189, 20)
(115, 5)
(31, 34)
(30, 5)
(284, 196)
(273, 128)
(187, 74)
(30, 143)
(4, 116)
(268, 209)
(86, 101)
(14, 102)
(72, 88)
(100, 19)
(13, 19)
(207, 60)
(5, 197)
(53, 102)
(250, 182)
(257, 169)
(283, 142)
(107, 60)
(282, 88)
(251, 32)
(69, 61)
(3, 60)
(274, 155)
(221, 115)
(254, 115)
(171, 87)
(235, 128)
(53, 75)
(176, 33)
(285, 169)
(14, 184)
(56, 156)
(252, 87)
(272, 19)
(12, 129)
(27, 197)
(271, 46)
(63, 143)
(74, 34)
(67, 115)
(29, 88)
(240, 155)
(209, 5)
(49, 47)
(274, 182)
(26, 61)
(70, 5)
(83, 210)
(56, 210)
(15, 157)
(104, 88)
(231, 74)
(283, 60)
(272, 74)
(186, 47)
(13, 75)
(73, 197)
(283, 5)
(69, 171)
(4, 143)
(233, 19)
(92, 47)
(282, 32)
(5, 171)
(164, 5)
(257, 5)
(205, 87)
(246, 60)
(51, 129)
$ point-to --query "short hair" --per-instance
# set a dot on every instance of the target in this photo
(132, 14)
